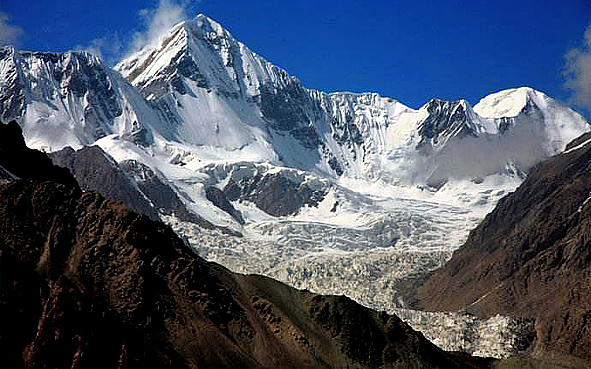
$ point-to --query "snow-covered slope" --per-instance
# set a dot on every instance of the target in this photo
(70, 99)
(224, 96)
(338, 193)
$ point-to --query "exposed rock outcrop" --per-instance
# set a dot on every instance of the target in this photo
(219, 199)
(96, 171)
(274, 193)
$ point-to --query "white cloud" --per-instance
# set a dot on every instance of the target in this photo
(154, 22)
(9, 34)
(159, 20)
(577, 72)
(108, 48)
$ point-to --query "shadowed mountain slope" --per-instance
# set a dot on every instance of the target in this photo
(95, 170)
(130, 182)
(23, 162)
(531, 257)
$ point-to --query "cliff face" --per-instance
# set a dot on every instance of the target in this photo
(86, 282)
(531, 257)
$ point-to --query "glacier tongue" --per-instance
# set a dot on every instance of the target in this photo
(499, 337)
(342, 193)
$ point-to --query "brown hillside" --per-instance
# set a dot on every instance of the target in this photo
(530, 257)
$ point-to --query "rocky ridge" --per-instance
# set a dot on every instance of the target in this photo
(130, 182)
(70, 99)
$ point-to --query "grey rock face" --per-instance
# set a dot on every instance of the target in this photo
(96, 171)
(284, 107)
(445, 119)
(12, 97)
(273, 193)
(87, 99)
(163, 196)
(219, 199)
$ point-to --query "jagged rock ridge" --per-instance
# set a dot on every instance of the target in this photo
(73, 99)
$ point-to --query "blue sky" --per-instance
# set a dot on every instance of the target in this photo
(410, 50)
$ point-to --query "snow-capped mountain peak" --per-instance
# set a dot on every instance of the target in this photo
(208, 25)
(204, 52)
(509, 103)
(70, 99)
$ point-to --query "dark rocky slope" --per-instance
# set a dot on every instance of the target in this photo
(275, 194)
(130, 182)
(95, 170)
(531, 257)
(22, 162)
(86, 282)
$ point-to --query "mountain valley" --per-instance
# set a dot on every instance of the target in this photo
(336, 193)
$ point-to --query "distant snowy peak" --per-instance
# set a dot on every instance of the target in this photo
(510, 103)
(533, 110)
(69, 99)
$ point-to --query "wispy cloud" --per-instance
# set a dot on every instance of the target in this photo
(154, 23)
(108, 48)
(577, 72)
(159, 20)
(9, 34)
